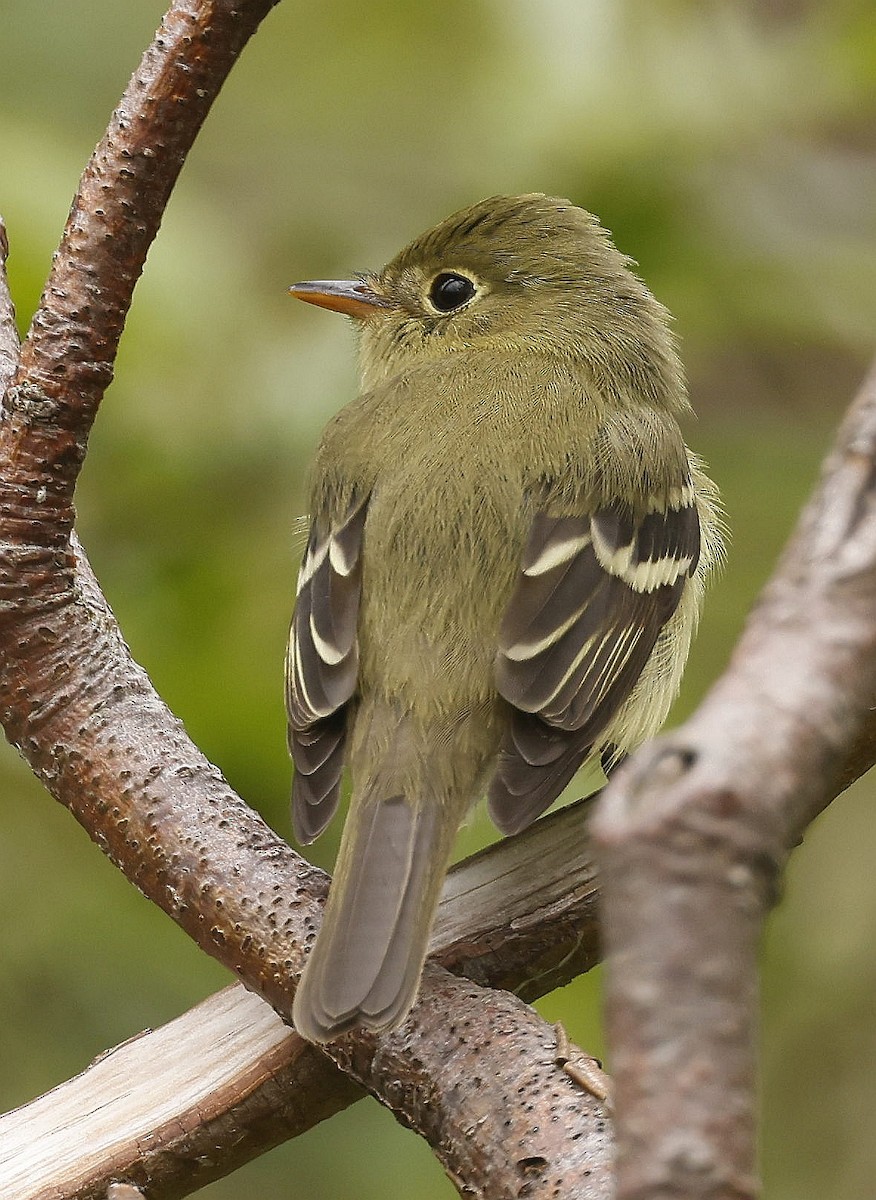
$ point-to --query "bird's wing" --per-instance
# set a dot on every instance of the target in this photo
(321, 667)
(593, 593)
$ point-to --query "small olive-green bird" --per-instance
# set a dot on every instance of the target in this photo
(508, 546)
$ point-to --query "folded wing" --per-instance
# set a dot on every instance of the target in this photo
(321, 667)
(593, 594)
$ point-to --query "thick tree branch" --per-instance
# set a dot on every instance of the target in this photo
(521, 914)
(705, 818)
(163, 1109)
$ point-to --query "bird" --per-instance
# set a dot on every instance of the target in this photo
(508, 547)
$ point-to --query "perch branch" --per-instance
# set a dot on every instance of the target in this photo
(521, 915)
(705, 817)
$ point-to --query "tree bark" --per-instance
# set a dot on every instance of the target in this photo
(521, 915)
(705, 817)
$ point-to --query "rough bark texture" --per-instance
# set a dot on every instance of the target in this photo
(536, 1135)
(241, 1081)
(704, 819)
(172, 1109)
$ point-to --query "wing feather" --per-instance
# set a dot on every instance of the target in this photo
(593, 594)
(322, 666)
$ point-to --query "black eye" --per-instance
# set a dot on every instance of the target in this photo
(449, 291)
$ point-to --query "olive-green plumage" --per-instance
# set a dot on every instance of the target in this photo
(508, 548)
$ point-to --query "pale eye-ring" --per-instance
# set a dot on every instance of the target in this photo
(450, 290)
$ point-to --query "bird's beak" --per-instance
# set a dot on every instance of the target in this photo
(348, 296)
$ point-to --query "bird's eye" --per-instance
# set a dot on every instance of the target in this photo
(450, 291)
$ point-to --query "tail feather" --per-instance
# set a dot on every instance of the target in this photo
(365, 966)
(395, 985)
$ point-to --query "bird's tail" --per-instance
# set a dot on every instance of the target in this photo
(365, 966)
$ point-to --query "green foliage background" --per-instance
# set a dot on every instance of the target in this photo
(731, 148)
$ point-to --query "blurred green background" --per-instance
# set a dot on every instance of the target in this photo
(731, 147)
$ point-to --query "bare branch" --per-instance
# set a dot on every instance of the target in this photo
(148, 1112)
(242, 1081)
(705, 818)
(145, 1113)
(68, 355)
(8, 332)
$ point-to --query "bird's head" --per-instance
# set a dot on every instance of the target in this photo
(512, 275)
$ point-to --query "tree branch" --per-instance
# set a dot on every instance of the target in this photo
(705, 817)
(8, 331)
(162, 1109)
(521, 914)
(67, 358)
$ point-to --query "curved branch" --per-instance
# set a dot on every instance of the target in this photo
(521, 914)
(67, 357)
(705, 818)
